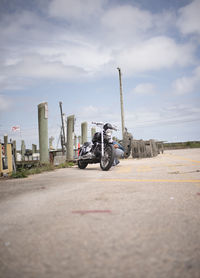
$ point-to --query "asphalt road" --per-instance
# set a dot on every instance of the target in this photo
(140, 219)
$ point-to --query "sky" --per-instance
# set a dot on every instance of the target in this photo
(69, 51)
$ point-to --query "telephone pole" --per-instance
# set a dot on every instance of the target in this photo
(121, 102)
(63, 139)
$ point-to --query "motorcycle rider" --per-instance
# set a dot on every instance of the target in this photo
(119, 152)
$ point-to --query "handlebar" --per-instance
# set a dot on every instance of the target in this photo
(98, 123)
(102, 124)
(114, 128)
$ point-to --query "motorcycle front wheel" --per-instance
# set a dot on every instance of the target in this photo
(82, 164)
(108, 158)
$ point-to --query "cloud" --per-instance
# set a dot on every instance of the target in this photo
(168, 115)
(86, 56)
(187, 84)
(189, 19)
(75, 9)
(124, 20)
(5, 103)
(144, 88)
(96, 113)
(34, 67)
(35, 47)
(55, 63)
(155, 54)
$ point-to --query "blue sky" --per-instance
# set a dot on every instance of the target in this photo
(68, 50)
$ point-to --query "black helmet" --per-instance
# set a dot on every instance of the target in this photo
(96, 137)
(107, 126)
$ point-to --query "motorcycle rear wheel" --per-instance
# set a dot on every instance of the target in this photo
(82, 164)
(107, 161)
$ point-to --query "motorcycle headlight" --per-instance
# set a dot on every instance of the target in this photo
(109, 132)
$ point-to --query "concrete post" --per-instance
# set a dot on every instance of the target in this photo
(162, 147)
(148, 148)
(23, 150)
(51, 143)
(151, 146)
(75, 146)
(70, 137)
(14, 150)
(43, 132)
(84, 127)
(155, 148)
(75, 141)
(34, 148)
(6, 151)
(5, 139)
(14, 155)
(139, 150)
(65, 127)
(93, 131)
(133, 149)
(143, 149)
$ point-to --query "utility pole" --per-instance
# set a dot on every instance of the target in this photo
(122, 103)
(63, 142)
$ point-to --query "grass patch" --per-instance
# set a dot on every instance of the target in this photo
(65, 165)
(24, 173)
(19, 174)
(182, 145)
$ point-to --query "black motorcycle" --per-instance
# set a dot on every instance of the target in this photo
(100, 150)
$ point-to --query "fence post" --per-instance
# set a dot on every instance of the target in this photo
(84, 127)
(79, 139)
(75, 146)
(93, 131)
(14, 149)
(6, 150)
(34, 148)
(43, 132)
(70, 139)
(23, 150)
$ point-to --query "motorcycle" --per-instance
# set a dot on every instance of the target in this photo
(100, 150)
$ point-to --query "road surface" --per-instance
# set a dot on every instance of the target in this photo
(140, 219)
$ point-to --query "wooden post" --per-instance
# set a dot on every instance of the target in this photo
(122, 103)
(6, 150)
(63, 142)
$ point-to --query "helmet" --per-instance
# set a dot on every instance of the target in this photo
(96, 137)
(107, 126)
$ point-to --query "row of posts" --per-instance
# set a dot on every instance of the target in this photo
(139, 148)
(43, 137)
(71, 139)
(14, 148)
